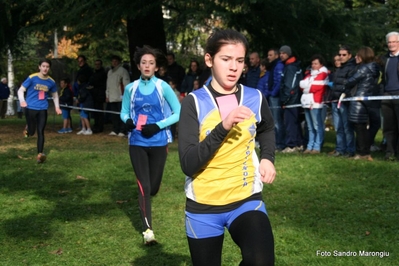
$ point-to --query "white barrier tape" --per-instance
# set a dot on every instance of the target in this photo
(350, 99)
(363, 98)
(89, 109)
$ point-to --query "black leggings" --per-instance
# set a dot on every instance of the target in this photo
(36, 119)
(251, 231)
(148, 164)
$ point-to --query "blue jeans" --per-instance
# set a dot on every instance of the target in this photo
(315, 125)
(345, 136)
(277, 113)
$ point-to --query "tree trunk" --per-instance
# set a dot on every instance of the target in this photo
(146, 29)
(10, 79)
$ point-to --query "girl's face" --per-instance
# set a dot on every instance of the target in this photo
(63, 84)
(196, 85)
(337, 61)
(262, 68)
(147, 66)
(44, 68)
(194, 67)
(226, 66)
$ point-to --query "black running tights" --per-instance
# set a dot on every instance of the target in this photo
(36, 119)
(148, 165)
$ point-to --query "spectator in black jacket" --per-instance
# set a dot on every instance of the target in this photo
(364, 82)
(98, 84)
(193, 73)
(345, 136)
(175, 71)
(85, 100)
(4, 94)
(289, 95)
(253, 73)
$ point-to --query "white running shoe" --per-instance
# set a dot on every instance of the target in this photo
(88, 132)
(82, 132)
(112, 134)
(149, 238)
(121, 134)
(374, 148)
(289, 150)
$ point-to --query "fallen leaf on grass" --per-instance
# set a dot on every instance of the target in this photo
(121, 201)
(81, 177)
(20, 157)
(367, 233)
(57, 252)
(63, 192)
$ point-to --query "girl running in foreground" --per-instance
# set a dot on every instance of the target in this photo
(217, 153)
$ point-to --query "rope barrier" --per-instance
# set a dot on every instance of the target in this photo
(349, 99)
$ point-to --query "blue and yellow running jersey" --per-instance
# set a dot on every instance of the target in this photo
(232, 174)
(37, 91)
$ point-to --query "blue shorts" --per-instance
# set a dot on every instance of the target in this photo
(66, 113)
(84, 114)
(211, 225)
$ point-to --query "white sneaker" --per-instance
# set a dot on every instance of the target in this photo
(112, 134)
(88, 132)
(299, 148)
(82, 132)
(289, 150)
(121, 134)
(374, 148)
(149, 237)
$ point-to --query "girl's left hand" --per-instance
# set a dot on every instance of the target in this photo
(267, 171)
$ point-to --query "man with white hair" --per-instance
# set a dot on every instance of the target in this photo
(390, 108)
(4, 94)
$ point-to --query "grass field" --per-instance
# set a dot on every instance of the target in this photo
(80, 207)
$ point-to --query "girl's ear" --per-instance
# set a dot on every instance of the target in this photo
(208, 60)
(138, 66)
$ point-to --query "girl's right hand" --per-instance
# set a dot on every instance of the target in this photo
(236, 116)
(23, 104)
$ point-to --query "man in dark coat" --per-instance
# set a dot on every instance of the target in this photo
(98, 84)
(4, 94)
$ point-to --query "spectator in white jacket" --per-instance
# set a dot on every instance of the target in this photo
(314, 87)
(117, 79)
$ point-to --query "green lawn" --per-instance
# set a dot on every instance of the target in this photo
(80, 207)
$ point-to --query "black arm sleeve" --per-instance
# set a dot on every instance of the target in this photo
(193, 153)
(265, 133)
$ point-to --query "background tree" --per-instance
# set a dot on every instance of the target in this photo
(102, 27)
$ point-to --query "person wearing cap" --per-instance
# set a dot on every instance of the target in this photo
(117, 79)
(289, 95)
(4, 94)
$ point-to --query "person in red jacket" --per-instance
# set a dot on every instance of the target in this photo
(314, 87)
